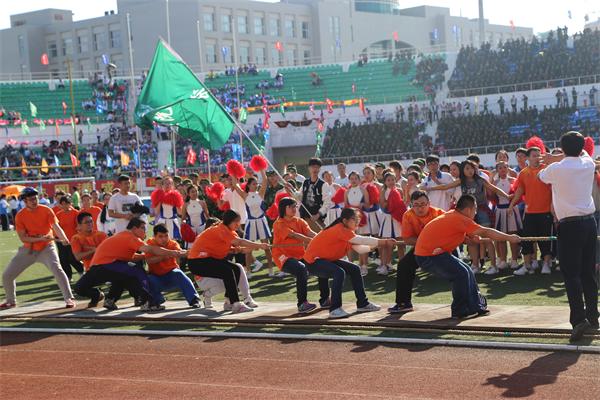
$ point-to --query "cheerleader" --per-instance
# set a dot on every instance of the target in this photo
(371, 208)
(506, 221)
(105, 222)
(167, 206)
(195, 210)
(257, 226)
(331, 210)
(356, 197)
(392, 209)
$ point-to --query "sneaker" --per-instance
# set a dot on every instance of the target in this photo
(491, 271)
(514, 264)
(306, 307)
(227, 306)
(195, 303)
(369, 308)
(390, 268)
(476, 270)
(70, 303)
(6, 305)
(382, 270)
(207, 300)
(271, 273)
(93, 303)
(250, 302)
(521, 271)
(483, 312)
(579, 330)
(546, 269)
(256, 266)
(363, 270)
(338, 313)
(502, 265)
(281, 275)
(110, 304)
(534, 265)
(325, 304)
(400, 308)
(240, 307)
(150, 308)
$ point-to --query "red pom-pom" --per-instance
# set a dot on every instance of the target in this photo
(535, 141)
(589, 145)
(338, 197)
(173, 198)
(273, 211)
(225, 206)
(156, 197)
(236, 169)
(396, 205)
(243, 186)
(258, 163)
(373, 191)
(215, 191)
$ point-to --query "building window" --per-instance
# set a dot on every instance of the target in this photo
(274, 27)
(242, 24)
(226, 23)
(115, 39)
(244, 54)
(290, 57)
(99, 41)
(52, 49)
(259, 55)
(334, 26)
(211, 54)
(275, 57)
(305, 31)
(259, 26)
(290, 28)
(67, 46)
(209, 22)
(82, 44)
(307, 57)
(226, 53)
(21, 45)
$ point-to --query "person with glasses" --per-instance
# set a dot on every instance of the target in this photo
(36, 226)
(413, 222)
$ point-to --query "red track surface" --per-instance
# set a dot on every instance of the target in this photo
(35, 366)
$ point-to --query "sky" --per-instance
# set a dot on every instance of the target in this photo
(542, 15)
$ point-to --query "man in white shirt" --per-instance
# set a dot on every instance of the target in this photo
(121, 203)
(437, 198)
(342, 179)
(572, 176)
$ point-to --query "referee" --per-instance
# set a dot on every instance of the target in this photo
(572, 176)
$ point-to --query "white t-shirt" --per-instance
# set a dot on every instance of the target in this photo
(122, 204)
(236, 202)
(439, 198)
(572, 180)
(342, 181)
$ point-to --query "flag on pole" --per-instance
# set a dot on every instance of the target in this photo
(236, 151)
(91, 160)
(243, 115)
(109, 162)
(73, 123)
(203, 156)
(56, 128)
(74, 160)
(33, 109)
(42, 125)
(89, 125)
(64, 107)
(24, 127)
(136, 159)
(124, 158)
(173, 95)
(171, 159)
(361, 106)
(191, 157)
(44, 168)
(24, 171)
(56, 161)
(329, 106)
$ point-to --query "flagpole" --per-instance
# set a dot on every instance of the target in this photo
(199, 45)
(72, 109)
(168, 23)
(132, 93)
(174, 150)
(208, 162)
(237, 86)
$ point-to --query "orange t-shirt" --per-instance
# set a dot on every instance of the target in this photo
(281, 229)
(95, 211)
(330, 244)
(120, 247)
(412, 225)
(99, 204)
(56, 209)
(215, 242)
(81, 242)
(166, 265)
(36, 222)
(444, 234)
(68, 221)
(538, 195)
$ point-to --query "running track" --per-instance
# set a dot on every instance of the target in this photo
(37, 366)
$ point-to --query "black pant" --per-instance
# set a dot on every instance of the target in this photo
(221, 269)
(68, 260)
(4, 222)
(537, 225)
(97, 276)
(405, 277)
(577, 256)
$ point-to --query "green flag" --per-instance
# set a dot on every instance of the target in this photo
(91, 160)
(282, 109)
(33, 109)
(243, 115)
(42, 125)
(24, 128)
(173, 95)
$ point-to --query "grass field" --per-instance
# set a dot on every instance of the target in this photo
(37, 284)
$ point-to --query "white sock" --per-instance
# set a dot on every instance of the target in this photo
(243, 284)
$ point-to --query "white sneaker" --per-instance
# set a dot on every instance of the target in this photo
(257, 265)
(382, 270)
(271, 273)
(502, 265)
(363, 270)
(534, 265)
(240, 307)
(546, 269)
(390, 268)
(207, 300)
(369, 308)
(491, 271)
(476, 270)
(250, 302)
(521, 271)
(338, 313)
(281, 275)
(514, 264)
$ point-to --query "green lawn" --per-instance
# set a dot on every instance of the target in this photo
(37, 284)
